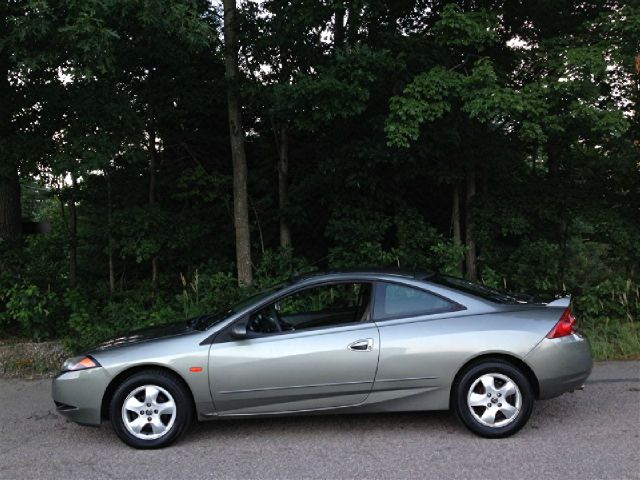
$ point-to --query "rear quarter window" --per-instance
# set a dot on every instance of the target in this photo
(475, 289)
(399, 301)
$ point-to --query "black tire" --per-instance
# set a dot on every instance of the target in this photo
(463, 411)
(183, 408)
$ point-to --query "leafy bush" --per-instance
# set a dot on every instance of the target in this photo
(609, 313)
(29, 310)
(90, 321)
(358, 236)
(420, 246)
(607, 308)
(92, 318)
(207, 293)
(277, 266)
(617, 298)
(360, 241)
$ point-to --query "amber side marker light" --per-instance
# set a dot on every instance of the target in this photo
(195, 369)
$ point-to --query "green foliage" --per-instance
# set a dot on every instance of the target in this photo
(360, 239)
(410, 111)
(208, 293)
(421, 246)
(84, 325)
(339, 90)
(278, 266)
(90, 321)
(609, 313)
(616, 298)
(358, 236)
(536, 266)
(457, 28)
(30, 311)
(142, 232)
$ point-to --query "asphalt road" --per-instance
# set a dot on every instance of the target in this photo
(592, 433)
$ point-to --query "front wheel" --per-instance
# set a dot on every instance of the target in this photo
(493, 399)
(150, 410)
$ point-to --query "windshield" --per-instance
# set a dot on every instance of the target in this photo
(206, 321)
(475, 289)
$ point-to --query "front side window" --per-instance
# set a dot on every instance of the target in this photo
(399, 301)
(315, 307)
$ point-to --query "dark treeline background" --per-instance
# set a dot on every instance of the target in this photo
(178, 148)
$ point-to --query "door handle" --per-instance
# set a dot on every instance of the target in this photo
(361, 345)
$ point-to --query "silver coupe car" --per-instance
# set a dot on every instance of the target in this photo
(338, 342)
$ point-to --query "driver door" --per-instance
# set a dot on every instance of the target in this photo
(324, 355)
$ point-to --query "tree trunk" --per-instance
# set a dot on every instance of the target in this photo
(555, 178)
(112, 273)
(73, 235)
(353, 24)
(637, 108)
(554, 152)
(283, 185)
(281, 131)
(471, 254)
(238, 155)
(152, 198)
(10, 206)
(456, 220)
(338, 28)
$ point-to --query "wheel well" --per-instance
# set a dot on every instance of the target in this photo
(515, 361)
(122, 376)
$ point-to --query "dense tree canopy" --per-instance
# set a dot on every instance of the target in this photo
(492, 139)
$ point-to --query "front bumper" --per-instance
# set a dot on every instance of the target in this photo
(78, 395)
(561, 364)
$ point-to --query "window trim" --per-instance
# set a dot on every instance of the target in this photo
(222, 337)
(455, 306)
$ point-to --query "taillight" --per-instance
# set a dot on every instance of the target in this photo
(565, 326)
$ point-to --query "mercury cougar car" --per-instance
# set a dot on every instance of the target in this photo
(336, 342)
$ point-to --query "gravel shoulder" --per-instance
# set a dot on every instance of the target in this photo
(594, 433)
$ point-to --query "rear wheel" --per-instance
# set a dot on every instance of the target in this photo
(150, 409)
(493, 399)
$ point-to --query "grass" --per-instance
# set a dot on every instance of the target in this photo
(613, 339)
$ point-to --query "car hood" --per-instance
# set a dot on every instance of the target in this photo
(144, 335)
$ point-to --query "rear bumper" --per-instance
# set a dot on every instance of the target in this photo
(561, 364)
(78, 395)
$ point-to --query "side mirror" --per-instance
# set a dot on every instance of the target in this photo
(239, 331)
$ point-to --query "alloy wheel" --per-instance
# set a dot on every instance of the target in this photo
(149, 412)
(494, 400)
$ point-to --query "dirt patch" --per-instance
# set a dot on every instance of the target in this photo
(31, 359)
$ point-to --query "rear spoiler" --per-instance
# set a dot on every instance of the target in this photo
(560, 302)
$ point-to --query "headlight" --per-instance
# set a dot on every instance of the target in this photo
(79, 363)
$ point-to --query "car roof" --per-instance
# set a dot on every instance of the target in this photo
(472, 302)
(350, 272)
